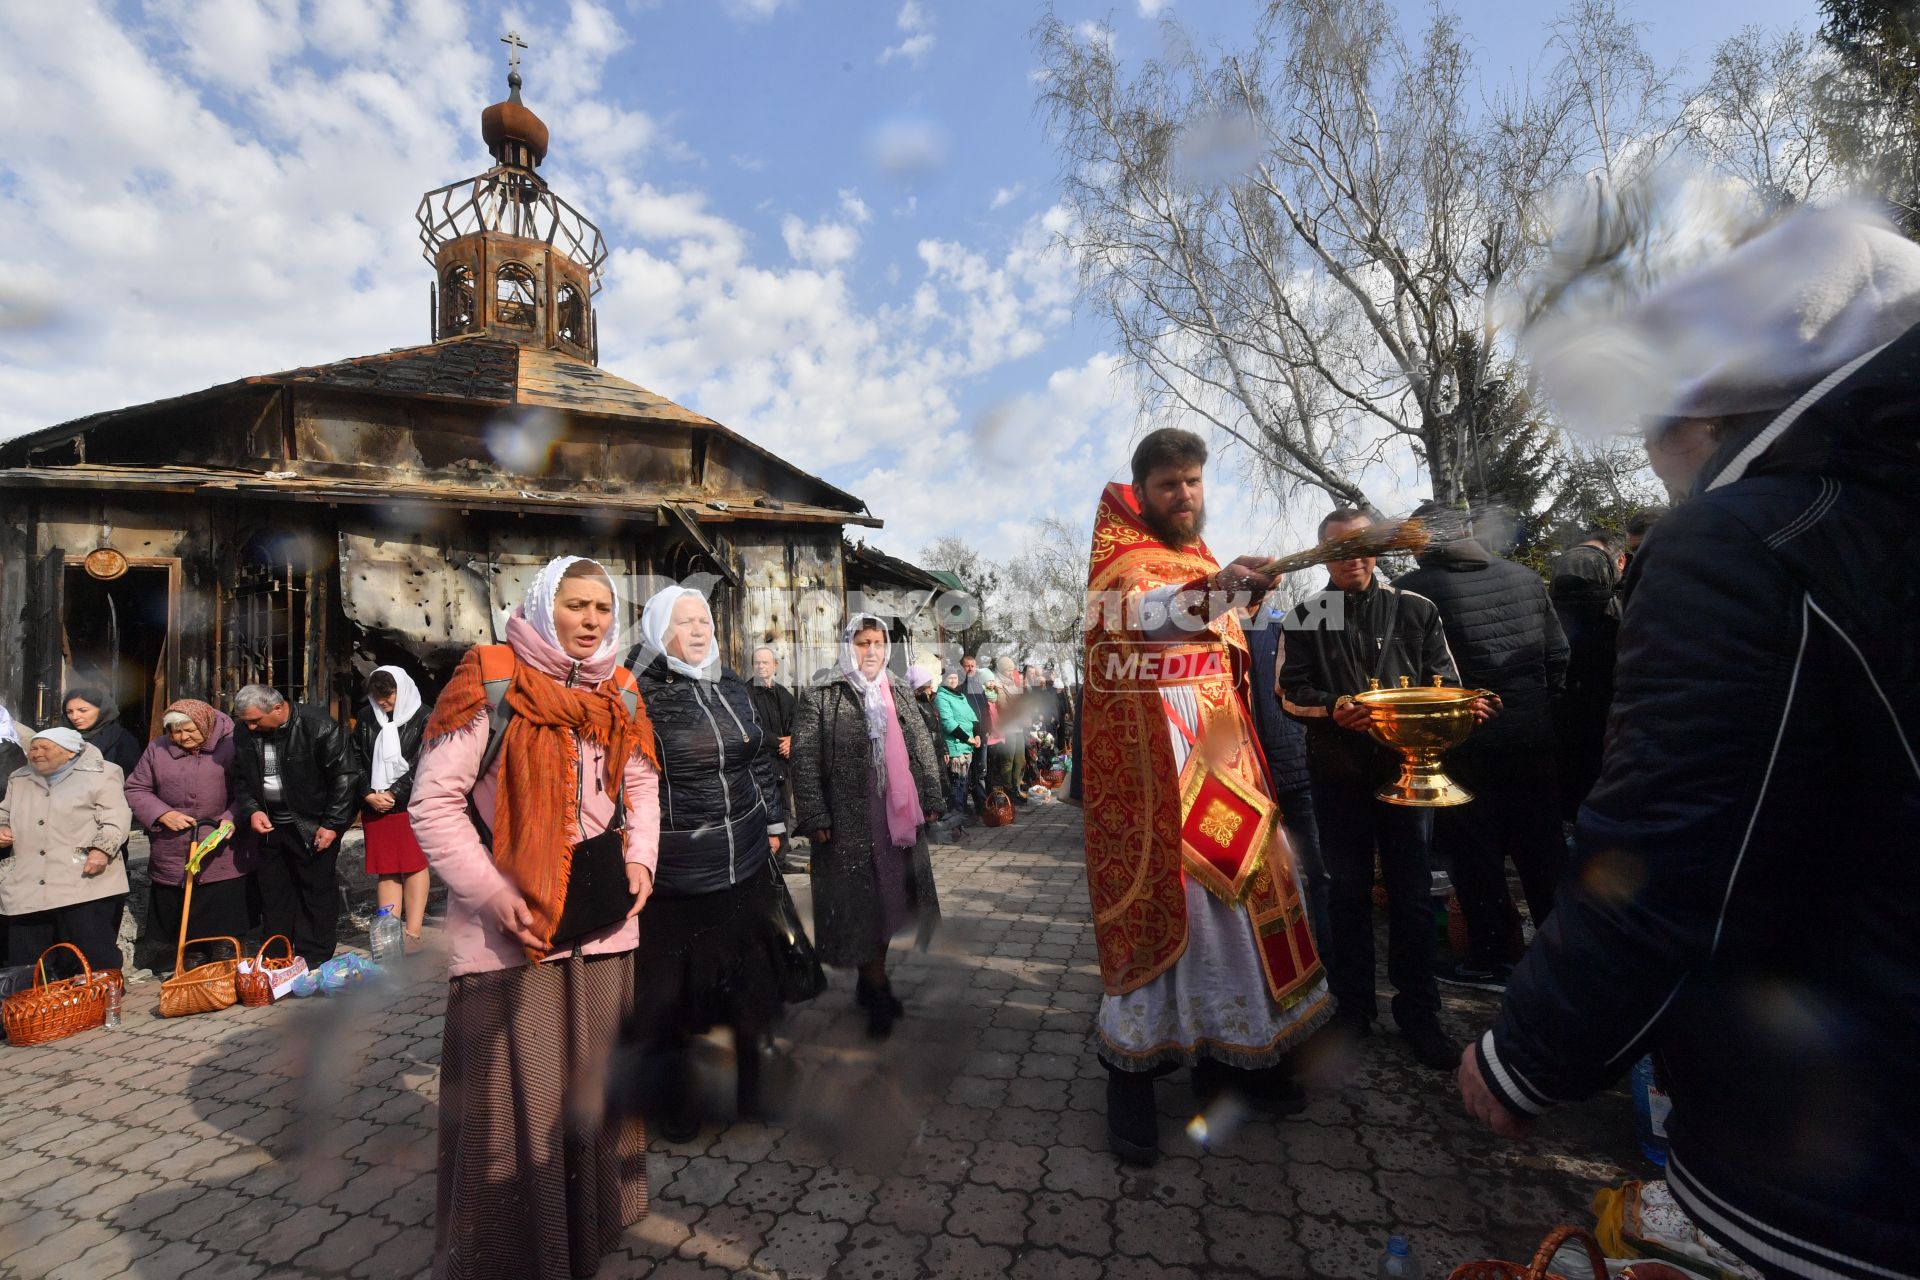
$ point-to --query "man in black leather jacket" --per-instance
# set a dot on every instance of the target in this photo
(1503, 632)
(1745, 896)
(294, 778)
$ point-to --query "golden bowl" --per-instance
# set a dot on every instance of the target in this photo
(1422, 723)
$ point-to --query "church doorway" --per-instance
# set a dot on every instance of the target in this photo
(117, 632)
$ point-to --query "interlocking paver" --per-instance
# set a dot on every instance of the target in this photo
(300, 1140)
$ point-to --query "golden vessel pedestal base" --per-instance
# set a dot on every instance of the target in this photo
(1422, 724)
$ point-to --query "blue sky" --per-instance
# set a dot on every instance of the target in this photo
(831, 220)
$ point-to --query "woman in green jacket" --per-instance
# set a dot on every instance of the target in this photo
(963, 736)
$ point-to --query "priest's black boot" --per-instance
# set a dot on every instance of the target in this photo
(1133, 1126)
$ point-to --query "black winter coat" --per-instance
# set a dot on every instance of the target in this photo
(1505, 637)
(1336, 643)
(1282, 738)
(319, 772)
(774, 705)
(1745, 898)
(719, 796)
(366, 731)
(1589, 615)
(116, 744)
(833, 787)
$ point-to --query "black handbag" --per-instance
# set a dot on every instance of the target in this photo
(801, 977)
(597, 893)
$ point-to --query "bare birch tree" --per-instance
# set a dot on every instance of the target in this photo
(1757, 117)
(1297, 241)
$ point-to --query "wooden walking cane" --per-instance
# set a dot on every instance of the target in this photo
(207, 987)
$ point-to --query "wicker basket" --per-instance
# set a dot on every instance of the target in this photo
(51, 1010)
(256, 985)
(204, 988)
(999, 809)
(1542, 1258)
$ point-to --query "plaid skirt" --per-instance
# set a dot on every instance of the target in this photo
(535, 1183)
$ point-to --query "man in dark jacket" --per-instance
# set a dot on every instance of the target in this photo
(1745, 900)
(1355, 631)
(295, 779)
(773, 705)
(1507, 640)
(1591, 621)
(1283, 740)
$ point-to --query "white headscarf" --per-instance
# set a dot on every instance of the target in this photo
(537, 607)
(875, 693)
(390, 763)
(8, 729)
(657, 617)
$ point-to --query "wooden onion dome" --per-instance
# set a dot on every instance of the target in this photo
(511, 259)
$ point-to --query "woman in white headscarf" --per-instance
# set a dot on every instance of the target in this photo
(538, 803)
(387, 735)
(866, 778)
(711, 940)
(63, 821)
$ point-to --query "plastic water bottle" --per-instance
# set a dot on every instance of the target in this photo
(1650, 1107)
(1399, 1261)
(113, 1004)
(387, 938)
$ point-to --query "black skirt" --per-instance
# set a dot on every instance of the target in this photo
(219, 911)
(709, 960)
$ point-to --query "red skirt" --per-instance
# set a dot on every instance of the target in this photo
(391, 848)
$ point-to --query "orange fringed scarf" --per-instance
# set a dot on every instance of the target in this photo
(537, 800)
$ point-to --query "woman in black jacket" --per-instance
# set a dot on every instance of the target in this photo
(97, 717)
(710, 936)
(386, 738)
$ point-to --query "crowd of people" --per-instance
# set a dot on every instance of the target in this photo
(565, 788)
(1720, 699)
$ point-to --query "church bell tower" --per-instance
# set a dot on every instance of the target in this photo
(511, 259)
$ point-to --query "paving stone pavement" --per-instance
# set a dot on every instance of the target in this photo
(298, 1140)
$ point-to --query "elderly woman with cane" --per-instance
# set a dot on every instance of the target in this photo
(177, 791)
(865, 779)
(63, 822)
(537, 801)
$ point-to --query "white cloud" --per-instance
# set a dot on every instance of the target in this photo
(1097, 33)
(914, 23)
(823, 244)
(1004, 196)
(184, 228)
(755, 10)
(1153, 8)
(854, 207)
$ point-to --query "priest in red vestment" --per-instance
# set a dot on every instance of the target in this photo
(1205, 948)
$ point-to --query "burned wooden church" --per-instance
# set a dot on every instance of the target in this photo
(298, 528)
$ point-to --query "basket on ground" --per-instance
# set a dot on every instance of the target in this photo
(1542, 1260)
(256, 984)
(53, 1010)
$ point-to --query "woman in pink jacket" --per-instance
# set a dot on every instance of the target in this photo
(548, 852)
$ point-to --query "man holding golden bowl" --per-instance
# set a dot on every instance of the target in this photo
(1360, 634)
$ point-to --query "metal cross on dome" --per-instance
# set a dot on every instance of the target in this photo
(514, 45)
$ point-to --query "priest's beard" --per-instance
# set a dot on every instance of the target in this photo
(1170, 534)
